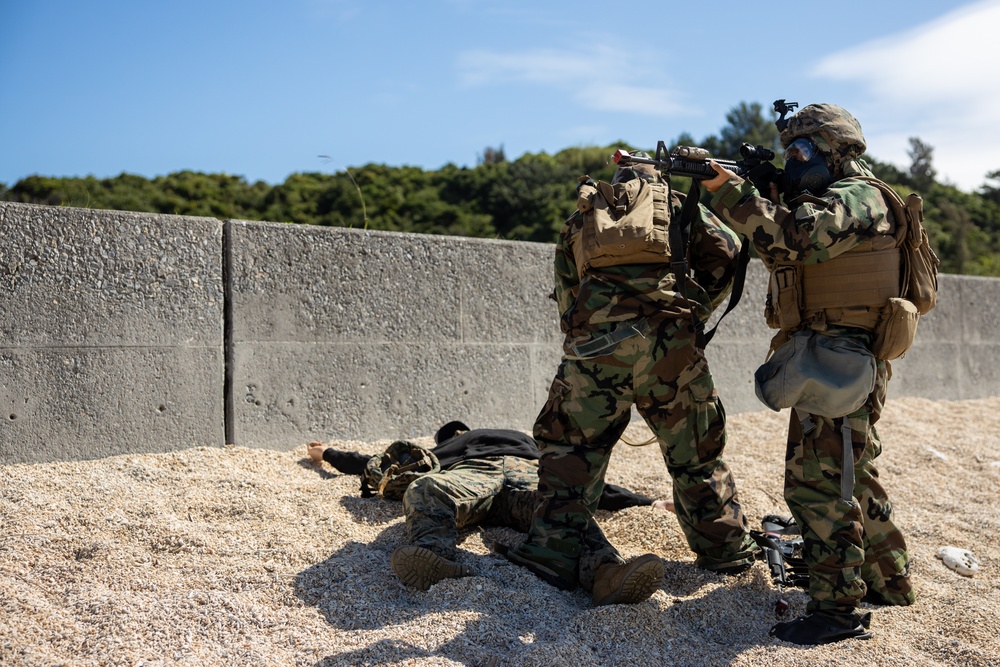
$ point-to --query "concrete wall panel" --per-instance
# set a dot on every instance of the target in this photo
(111, 336)
(287, 394)
(408, 332)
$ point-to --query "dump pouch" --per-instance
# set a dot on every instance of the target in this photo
(822, 375)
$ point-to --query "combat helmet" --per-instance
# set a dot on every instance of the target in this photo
(835, 131)
(388, 474)
(633, 170)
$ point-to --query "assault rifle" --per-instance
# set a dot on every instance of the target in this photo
(783, 556)
(692, 162)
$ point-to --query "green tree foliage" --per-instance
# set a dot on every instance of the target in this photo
(922, 170)
(527, 199)
(745, 123)
(181, 193)
(889, 173)
(990, 191)
(964, 229)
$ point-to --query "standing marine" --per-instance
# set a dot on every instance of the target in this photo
(830, 243)
(633, 321)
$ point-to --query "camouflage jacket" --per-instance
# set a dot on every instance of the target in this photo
(622, 293)
(817, 228)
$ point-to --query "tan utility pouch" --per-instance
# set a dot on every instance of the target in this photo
(585, 197)
(786, 297)
(627, 223)
(896, 329)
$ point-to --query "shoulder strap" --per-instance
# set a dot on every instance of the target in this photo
(895, 203)
(739, 280)
(679, 234)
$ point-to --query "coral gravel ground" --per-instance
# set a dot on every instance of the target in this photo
(235, 556)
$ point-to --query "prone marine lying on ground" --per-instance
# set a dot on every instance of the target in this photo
(471, 477)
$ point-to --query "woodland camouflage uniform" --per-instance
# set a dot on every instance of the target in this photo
(497, 490)
(494, 491)
(852, 549)
(486, 477)
(664, 373)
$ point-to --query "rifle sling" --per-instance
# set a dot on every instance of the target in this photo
(739, 281)
(679, 235)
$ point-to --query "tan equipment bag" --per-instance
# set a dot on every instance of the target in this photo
(920, 264)
(625, 223)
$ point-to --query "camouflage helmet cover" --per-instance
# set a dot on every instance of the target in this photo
(388, 474)
(835, 131)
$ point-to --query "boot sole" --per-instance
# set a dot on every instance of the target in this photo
(422, 568)
(639, 583)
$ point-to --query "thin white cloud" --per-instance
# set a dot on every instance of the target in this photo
(481, 68)
(938, 82)
(594, 80)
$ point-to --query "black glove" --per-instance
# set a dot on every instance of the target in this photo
(762, 176)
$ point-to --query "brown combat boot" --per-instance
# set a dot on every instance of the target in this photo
(627, 583)
(422, 568)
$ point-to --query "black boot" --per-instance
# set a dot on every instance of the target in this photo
(822, 627)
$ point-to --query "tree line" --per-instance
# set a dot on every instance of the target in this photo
(525, 199)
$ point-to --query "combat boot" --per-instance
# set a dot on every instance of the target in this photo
(422, 568)
(627, 583)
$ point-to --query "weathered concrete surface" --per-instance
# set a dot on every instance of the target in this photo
(124, 332)
(368, 335)
(110, 333)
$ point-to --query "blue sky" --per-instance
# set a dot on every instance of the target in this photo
(262, 89)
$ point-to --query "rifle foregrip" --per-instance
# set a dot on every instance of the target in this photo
(701, 169)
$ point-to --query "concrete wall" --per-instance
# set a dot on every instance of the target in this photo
(110, 333)
(369, 335)
(124, 332)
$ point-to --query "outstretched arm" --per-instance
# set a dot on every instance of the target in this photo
(349, 463)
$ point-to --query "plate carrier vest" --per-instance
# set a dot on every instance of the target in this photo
(854, 288)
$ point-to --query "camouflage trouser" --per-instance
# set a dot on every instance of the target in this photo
(666, 376)
(494, 491)
(851, 547)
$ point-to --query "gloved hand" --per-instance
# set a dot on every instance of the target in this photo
(768, 180)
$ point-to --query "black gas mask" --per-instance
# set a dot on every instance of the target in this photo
(806, 169)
